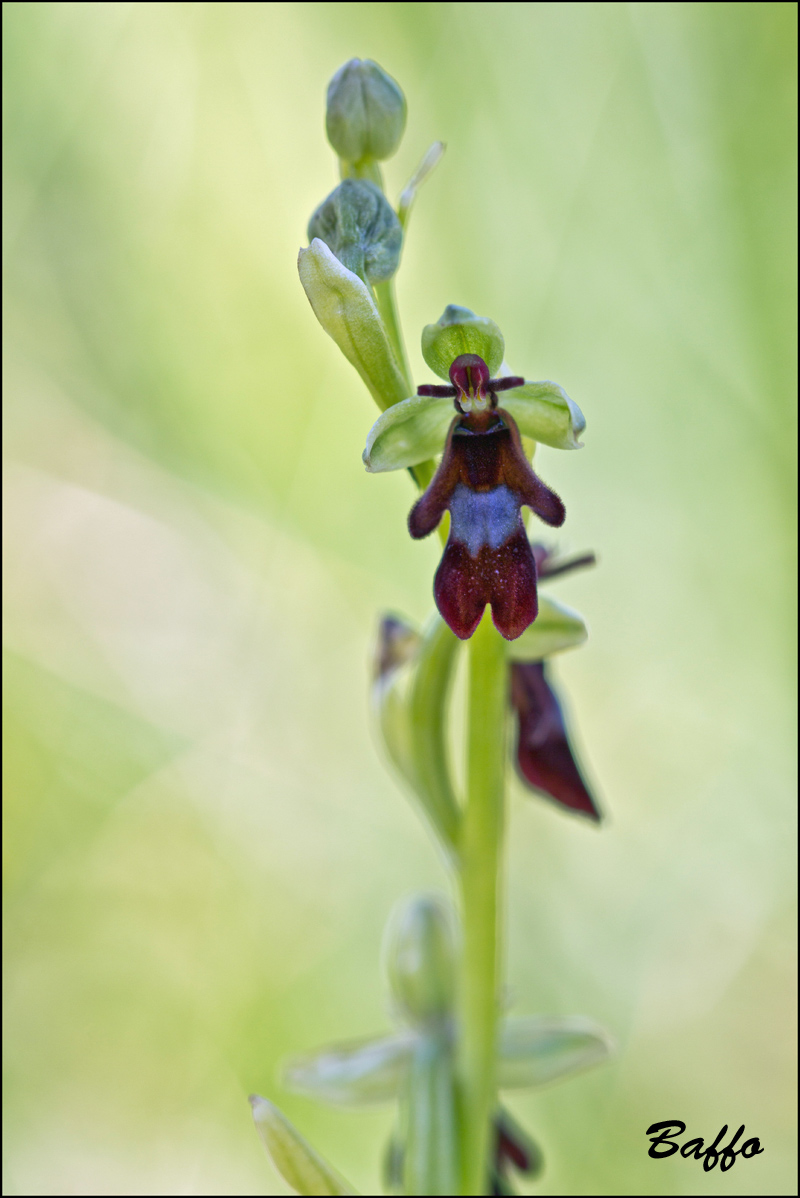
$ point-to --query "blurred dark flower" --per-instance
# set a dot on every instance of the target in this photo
(512, 1148)
(544, 754)
(483, 480)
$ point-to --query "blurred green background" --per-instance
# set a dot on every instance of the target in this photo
(202, 842)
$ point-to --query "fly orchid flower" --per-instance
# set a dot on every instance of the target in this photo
(483, 480)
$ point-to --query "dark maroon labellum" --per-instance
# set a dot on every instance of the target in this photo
(483, 481)
(544, 755)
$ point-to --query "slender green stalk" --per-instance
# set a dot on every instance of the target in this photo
(387, 306)
(481, 838)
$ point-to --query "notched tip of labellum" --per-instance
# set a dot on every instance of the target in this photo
(544, 755)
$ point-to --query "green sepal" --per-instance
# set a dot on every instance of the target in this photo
(344, 307)
(546, 413)
(533, 1050)
(421, 960)
(459, 331)
(359, 225)
(430, 1157)
(411, 704)
(358, 1073)
(408, 433)
(294, 1158)
(556, 628)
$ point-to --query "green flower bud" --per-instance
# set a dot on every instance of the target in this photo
(459, 331)
(421, 959)
(360, 226)
(366, 112)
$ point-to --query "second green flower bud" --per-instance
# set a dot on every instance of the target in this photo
(360, 226)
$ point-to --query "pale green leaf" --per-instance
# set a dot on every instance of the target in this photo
(556, 628)
(345, 308)
(296, 1161)
(546, 413)
(533, 1050)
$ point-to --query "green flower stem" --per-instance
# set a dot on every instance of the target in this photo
(481, 837)
(368, 169)
(385, 300)
(387, 307)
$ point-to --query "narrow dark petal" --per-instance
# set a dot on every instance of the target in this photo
(513, 1150)
(515, 1146)
(429, 509)
(440, 391)
(544, 756)
(505, 384)
(549, 568)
